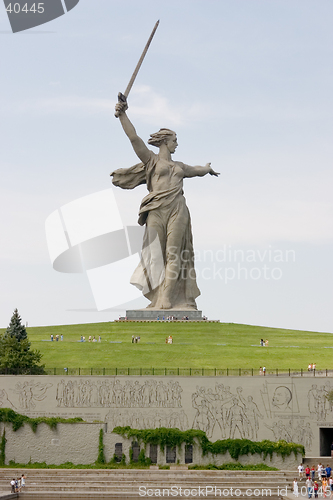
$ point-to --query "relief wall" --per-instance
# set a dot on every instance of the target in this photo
(256, 408)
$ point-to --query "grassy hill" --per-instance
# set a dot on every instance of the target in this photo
(196, 345)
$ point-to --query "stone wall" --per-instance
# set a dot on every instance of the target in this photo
(257, 408)
(78, 443)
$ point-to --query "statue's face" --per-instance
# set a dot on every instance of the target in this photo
(172, 143)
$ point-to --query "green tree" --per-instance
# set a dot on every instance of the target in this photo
(16, 357)
(15, 328)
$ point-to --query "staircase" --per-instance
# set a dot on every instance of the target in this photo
(84, 484)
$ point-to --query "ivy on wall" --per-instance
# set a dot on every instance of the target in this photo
(101, 456)
(3, 448)
(236, 447)
(17, 420)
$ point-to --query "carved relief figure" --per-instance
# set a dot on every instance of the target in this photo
(301, 434)
(319, 407)
(279, 399)
(4, 401)
(231, 413)
(106, 394)
(237, 419)
(29, 393)
(252, 413)
(282, 399)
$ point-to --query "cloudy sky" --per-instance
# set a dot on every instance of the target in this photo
(247, 85)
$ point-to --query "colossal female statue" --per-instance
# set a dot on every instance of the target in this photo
(166, 273)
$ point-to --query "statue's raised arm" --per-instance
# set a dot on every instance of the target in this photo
(138, 145)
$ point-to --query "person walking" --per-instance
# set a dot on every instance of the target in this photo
(23, 478)
(309, 487)
(12, 486)
(319, 470)
(313, 472)
(301, 471)
(295, 486)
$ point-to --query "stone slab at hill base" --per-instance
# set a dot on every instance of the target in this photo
(153, 314)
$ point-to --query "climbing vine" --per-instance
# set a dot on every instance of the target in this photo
(17, 420)
(101, 456)
(161, 436)
(236, 447)
(3, 448)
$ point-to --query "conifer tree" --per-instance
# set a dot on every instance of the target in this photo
(15, 328)
(16, 357)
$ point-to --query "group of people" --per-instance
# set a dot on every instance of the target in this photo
(91, 339)
(262, 370)
(56, 337)
(169, 340)
(135, 340)
(324, 481)
(264, 343)
(16, 485)
(311, 367)
(168, 318)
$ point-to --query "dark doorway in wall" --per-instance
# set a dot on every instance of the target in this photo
(118, 451)
(188, 453)
(326, 440)
(136, 451)
(153, 453)
(170, 455)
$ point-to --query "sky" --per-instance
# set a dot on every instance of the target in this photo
(246, 84)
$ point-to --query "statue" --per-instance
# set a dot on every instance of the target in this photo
(166, 273)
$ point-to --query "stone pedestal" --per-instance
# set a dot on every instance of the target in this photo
(153, 314)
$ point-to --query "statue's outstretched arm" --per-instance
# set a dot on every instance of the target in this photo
(198, 171)
(138, 145)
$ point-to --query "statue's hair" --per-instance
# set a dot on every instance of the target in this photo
(159, 137)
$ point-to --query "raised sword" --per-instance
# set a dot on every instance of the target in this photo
(123, 97)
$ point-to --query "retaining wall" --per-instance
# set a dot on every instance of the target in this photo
(260, 407)
(78, 443)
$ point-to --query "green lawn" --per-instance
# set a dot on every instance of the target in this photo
(196, 345)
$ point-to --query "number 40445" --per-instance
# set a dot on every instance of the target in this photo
(36, 8)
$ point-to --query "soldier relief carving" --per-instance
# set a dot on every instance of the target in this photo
(107, 394)
(300, 432)
(320, 408)
(231, 414)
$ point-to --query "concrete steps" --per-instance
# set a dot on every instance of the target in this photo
(125, 483)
